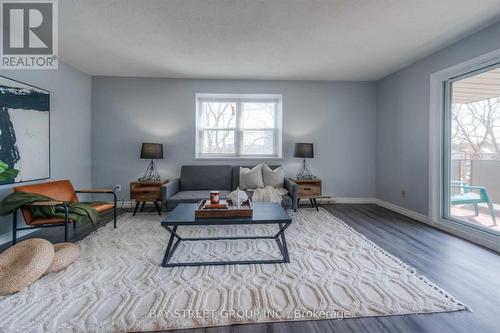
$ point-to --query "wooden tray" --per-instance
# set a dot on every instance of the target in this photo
(245, 210)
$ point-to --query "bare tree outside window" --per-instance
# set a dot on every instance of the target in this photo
(219, 123)
(476, 128)
(238, 127)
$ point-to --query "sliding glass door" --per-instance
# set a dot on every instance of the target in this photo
(471, 189)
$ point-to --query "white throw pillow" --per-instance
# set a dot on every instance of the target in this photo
(251, 178)
(274, 178)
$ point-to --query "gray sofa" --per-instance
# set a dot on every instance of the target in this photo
(197, 181)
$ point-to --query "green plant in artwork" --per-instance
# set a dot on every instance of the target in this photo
(7, 173)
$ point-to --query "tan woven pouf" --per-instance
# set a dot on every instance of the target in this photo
(23, 263)
(65, 254)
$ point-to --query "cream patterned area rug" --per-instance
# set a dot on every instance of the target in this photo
(119, 285)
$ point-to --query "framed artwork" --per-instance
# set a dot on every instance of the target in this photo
(24, 132)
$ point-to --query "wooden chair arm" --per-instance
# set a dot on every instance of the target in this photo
(46, 203)
(95, 191)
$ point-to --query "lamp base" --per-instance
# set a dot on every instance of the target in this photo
(304, 171)
(151, 175)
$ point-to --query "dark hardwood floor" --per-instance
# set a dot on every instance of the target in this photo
(467, 271)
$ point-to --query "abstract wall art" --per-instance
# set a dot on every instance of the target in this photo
(24, 132)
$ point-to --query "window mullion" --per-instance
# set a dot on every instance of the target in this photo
(275, 135)
(237, 132)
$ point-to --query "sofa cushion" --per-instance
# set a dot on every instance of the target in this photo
(205, 177)
(191, 197)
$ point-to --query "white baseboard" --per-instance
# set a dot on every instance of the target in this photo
(398, 209)
(471, 234)
(403, 211)
(346, 200)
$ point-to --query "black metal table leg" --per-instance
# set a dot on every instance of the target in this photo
(171, 247)
(316, 204)
(157, 208)
(280, 245)
(142, 206)
(281, 240)
(167, 255)
(66, 222)
(286, 256)
(114, 209)
(14, 227)
(136, 206)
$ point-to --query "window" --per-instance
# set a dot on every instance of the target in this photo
(239, 126)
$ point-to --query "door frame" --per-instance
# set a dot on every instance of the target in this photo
(438, 165)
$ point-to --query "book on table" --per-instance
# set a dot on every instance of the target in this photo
(221, 205)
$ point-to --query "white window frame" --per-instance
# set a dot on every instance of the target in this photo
(238, 99)
(439, 99)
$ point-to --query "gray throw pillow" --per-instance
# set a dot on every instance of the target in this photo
(251, 178)
(274, 178)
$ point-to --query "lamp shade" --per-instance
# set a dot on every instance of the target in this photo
(303, 150)
(152, 151)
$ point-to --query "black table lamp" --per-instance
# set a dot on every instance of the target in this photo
(304, 150)
(151, 151)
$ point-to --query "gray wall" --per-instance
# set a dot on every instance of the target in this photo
(338, 117)
(70, 93)
(403, 121)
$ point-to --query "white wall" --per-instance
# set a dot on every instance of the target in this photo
(338, 117)
(70, 94)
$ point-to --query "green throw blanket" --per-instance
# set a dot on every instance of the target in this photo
(76, 211)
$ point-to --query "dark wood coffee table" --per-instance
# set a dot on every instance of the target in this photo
(263, 213)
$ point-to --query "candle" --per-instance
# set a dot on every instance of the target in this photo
(214, 197)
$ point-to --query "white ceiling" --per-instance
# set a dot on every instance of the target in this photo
(257, 39)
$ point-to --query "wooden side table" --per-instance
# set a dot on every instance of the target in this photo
(309, 189)
(146, 192)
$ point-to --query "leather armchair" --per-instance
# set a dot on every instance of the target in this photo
(62, 192)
